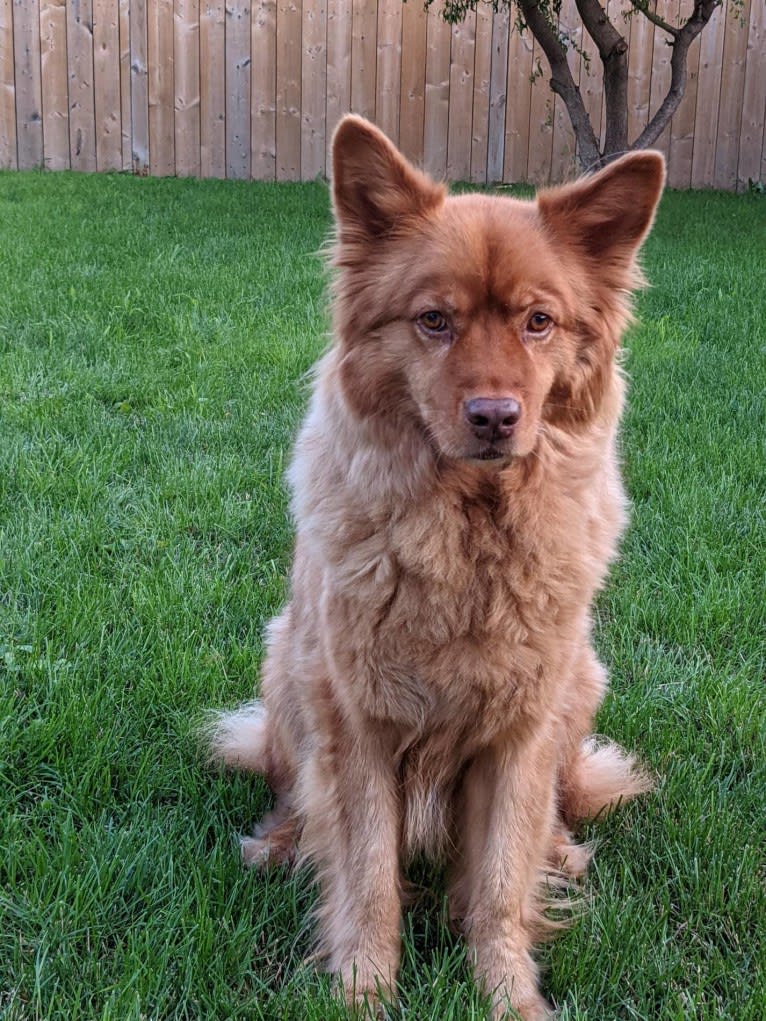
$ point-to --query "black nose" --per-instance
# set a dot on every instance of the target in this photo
(492, 418)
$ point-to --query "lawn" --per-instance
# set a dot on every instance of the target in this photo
(154, 343)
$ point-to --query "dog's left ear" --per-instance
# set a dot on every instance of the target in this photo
(607, 216)
(374, 188)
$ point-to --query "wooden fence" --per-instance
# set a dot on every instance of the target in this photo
(253, 88)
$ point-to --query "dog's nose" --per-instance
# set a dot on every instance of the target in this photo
(492, 418)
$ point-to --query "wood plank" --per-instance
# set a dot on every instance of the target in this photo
(26, 48)
(139, 86)
(661, 71)
(682, 126)
(187, 87)
(482, 70)
(540, 122)
(732, 95)
(461, 99)
(564, 147)
(126, 116)
(314, 89)
(106, 79)
(288, 91)
(520, 48)
(238, 89)
(437, 98)
(708, 95)
(55, 89)
(412, 101)
(498, 82)
(82, 109)
(263, 101)
(364, 58)
(162, 156)
(8, 155)
(339, 26)
(389, 67)
(212, 88)
(752, 135)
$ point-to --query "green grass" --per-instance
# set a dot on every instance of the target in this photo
(154, 341)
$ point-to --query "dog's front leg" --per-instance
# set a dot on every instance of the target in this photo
(352, 834)
(506, 814)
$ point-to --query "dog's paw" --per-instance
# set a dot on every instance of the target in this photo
(532, 1007)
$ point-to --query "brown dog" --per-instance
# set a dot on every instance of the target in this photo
(431, 684)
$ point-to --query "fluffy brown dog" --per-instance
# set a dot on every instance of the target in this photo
(431, 684)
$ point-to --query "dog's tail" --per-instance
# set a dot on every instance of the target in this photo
(240, 739)
(602, 777)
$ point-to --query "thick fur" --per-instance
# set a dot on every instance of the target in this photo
(431, 685)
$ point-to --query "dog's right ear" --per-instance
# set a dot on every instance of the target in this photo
(375, 189)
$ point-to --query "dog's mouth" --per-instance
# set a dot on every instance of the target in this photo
(490, 453)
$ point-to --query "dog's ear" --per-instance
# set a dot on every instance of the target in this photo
(375, 189)
(607, 216)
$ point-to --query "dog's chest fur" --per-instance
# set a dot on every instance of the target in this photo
(445, 595)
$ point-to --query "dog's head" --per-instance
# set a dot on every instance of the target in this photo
(478, 318)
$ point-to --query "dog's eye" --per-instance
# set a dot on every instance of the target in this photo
(539, 323)
(433, 322)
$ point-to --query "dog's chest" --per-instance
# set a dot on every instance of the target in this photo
(466, 604)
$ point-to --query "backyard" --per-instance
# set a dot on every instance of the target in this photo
(155, 337)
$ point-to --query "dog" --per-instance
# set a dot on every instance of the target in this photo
(431, 685)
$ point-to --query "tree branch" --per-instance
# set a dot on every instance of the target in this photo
(682, 40)
(642, 7)
(562, 82)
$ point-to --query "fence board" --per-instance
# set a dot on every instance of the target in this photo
(255, 88)
(26, 48)
(389, 67)
(238, 88)
(364, 58)
(126, 114)
(461, 99)
(313, 86)
(498, 96)
(139, 86)
(212, 88)
(682, 126)
(106, 84)
(437, 99)
(263, 101)
(564, 148)
(82, 108)
(289, 29)
(540, 125)
(661, 71)
(732, 94)
(519, 101)
(639, 74)
(482, 71)
(590, 83)
(708, 96)
(187, 88)
(338, 100)
(162, 156)
(8, 156)
(752, 137)
(412, 99)
(55, 93)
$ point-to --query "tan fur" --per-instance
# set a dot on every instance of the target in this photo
(431, 684)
